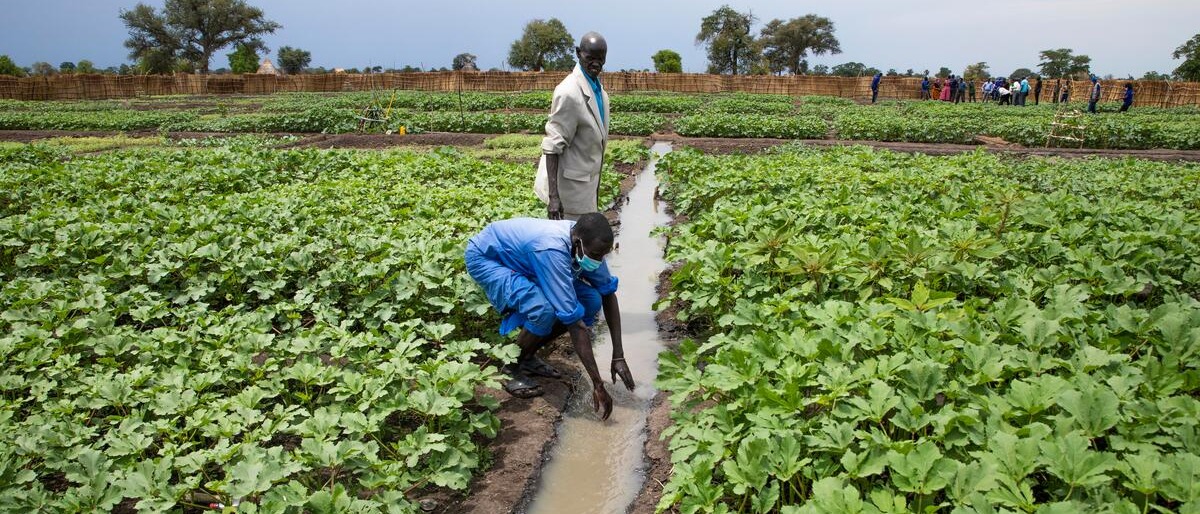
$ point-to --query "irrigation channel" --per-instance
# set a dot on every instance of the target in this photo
(599, 467)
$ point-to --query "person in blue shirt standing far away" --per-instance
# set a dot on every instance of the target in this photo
(548, 277)
(925, 88)
(1128, 97)
(1094, 96)
(875, 86)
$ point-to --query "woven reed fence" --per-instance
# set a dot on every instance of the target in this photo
(90, 87)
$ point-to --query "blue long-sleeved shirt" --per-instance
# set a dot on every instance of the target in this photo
(875, 82)
(541, 251)
(1128, 95)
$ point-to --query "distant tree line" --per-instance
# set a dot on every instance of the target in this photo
(184, 36)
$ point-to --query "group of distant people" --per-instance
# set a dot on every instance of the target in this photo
(1004, 91)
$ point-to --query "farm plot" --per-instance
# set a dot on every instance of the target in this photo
(279, 329)
(887, 333)
(737, 115)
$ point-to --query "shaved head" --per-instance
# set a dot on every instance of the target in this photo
(592, 53)
(593, 41)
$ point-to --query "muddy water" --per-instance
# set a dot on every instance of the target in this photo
(595, 466)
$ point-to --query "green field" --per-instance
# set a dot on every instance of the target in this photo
(639, 114)
(291, 326)
(884, 333)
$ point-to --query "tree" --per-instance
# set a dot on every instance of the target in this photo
(66, 67)
(464, 61)
(792, 41)
(42, 68)
(667, 61)
(944, 72)
(85, 66)
(293, 60)
(1020, 73)
(726, 33)
(976, 71)
(193, 30)
(1061, 62)
(909, 72)
(243, 59)
(1154, 75)
(1190, 53)
(8, 67)
(850, 69)
(544, 45)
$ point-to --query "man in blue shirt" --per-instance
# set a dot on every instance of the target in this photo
(548, 277)
(875, 86)
(925, 88)
(1128, 98)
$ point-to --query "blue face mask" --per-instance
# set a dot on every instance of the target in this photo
(587, 263)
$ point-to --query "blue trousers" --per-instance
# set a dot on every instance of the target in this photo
(519, 300)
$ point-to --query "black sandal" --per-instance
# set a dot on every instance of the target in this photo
(522, 386)
(538, 367)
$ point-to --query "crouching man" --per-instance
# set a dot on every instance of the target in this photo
(548, 277)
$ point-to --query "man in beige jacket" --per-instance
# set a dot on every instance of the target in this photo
(577, 134)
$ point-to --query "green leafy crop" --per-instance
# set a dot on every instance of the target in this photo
(884, 332)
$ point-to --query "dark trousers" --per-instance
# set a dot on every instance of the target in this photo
(1005, 99)
(874, 93)
(1092, 106)
(1125, 106)
(1037, 95)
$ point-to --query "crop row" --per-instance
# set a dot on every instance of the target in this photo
(888, 333)
(291, 330)
(739, 115)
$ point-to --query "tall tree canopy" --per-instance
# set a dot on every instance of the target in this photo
(667, 61)
(193, 30)
(791, 42)
(464, 61)
(8, 67)
(976, 71)
(293, 60)
(1190, 53)
(853, 69)
(1062, 62)
(726, 33)
(544, 45)
(243, 59)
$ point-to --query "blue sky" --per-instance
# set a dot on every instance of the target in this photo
(1122, 37)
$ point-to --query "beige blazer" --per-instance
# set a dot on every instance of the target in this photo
(574, 132)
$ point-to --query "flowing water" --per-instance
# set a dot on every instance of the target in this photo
(595, 466)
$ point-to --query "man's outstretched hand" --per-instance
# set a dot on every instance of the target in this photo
(601, 401)
(620, 368)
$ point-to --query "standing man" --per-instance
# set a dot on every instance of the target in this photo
(971, 90)
(1128, 99)
(1094, 96)
(1037, 91)
(548, 277)
(925, 88)
(1024, 90)
(577, 134)
(875, 86)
